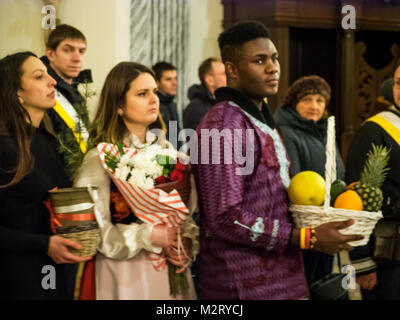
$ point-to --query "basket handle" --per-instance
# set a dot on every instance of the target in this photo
(330, 163)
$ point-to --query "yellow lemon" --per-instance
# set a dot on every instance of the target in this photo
(307, 188)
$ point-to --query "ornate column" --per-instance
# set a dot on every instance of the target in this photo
(159, 32)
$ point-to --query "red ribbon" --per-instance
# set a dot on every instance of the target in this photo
(76, 217)
(53, 219)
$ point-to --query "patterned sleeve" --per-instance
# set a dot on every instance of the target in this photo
(222, 197)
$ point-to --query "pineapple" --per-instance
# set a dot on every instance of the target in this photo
(372, 178)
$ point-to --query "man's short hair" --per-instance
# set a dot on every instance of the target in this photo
(160, 67)
(206, 68)
(62, 32)
(232, 39)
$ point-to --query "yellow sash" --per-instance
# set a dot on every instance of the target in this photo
(382, 119)
(71, 124)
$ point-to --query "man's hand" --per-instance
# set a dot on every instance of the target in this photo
(368, 281)
(330, 240)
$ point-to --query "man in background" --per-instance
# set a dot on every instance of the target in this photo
(212, 76)
(167, 83)
(65, 49)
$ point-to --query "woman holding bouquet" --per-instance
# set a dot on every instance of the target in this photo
(128, 106)
(34, 263)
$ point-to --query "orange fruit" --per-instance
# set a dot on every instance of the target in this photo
(351, 185)
(349, 200)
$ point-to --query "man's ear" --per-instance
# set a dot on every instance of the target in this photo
(209, 80)
(50, 54)
(231, 70)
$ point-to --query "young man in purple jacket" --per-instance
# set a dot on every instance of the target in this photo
(249, 246)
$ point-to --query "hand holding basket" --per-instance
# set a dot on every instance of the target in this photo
(313, 216)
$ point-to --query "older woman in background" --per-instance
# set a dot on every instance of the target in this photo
(302, 122)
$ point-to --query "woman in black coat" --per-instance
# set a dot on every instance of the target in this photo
(35, 264)
(302, 124)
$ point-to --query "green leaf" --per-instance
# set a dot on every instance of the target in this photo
(162, 160)
(110, 160)
(120, 148)
(69, 146)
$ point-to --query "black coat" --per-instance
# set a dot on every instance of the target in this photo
(305, 142)
(169, 112)
(201, 100)
(25, 223)
(370, 132)
(71, 93)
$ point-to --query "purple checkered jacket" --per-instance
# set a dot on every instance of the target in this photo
(232, 265)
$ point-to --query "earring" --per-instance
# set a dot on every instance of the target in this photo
(21, 101)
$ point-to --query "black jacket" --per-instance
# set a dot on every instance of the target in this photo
(71, 93)
(169, 112)
(201, 100)
(370, 133)
(305, 142)
(25, 222)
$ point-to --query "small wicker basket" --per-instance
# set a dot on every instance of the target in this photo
(74, 210)
(313, 216)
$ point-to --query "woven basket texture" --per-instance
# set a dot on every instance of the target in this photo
(313, 216)
(76, 201)
(89, 240)
(72, 229)
(70, 197)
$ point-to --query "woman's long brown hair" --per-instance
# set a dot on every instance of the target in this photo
(109, 127)
(14, 119)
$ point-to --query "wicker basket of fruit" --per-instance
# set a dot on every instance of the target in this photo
(360, 201)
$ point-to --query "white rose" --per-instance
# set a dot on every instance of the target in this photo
(122, 172)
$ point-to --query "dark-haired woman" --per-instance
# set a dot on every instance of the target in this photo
(128, 106)
(34, 263)
(302, 123)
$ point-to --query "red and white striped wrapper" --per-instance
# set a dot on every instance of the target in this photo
(153, 206)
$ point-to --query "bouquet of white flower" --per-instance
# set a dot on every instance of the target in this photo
(156, 186)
